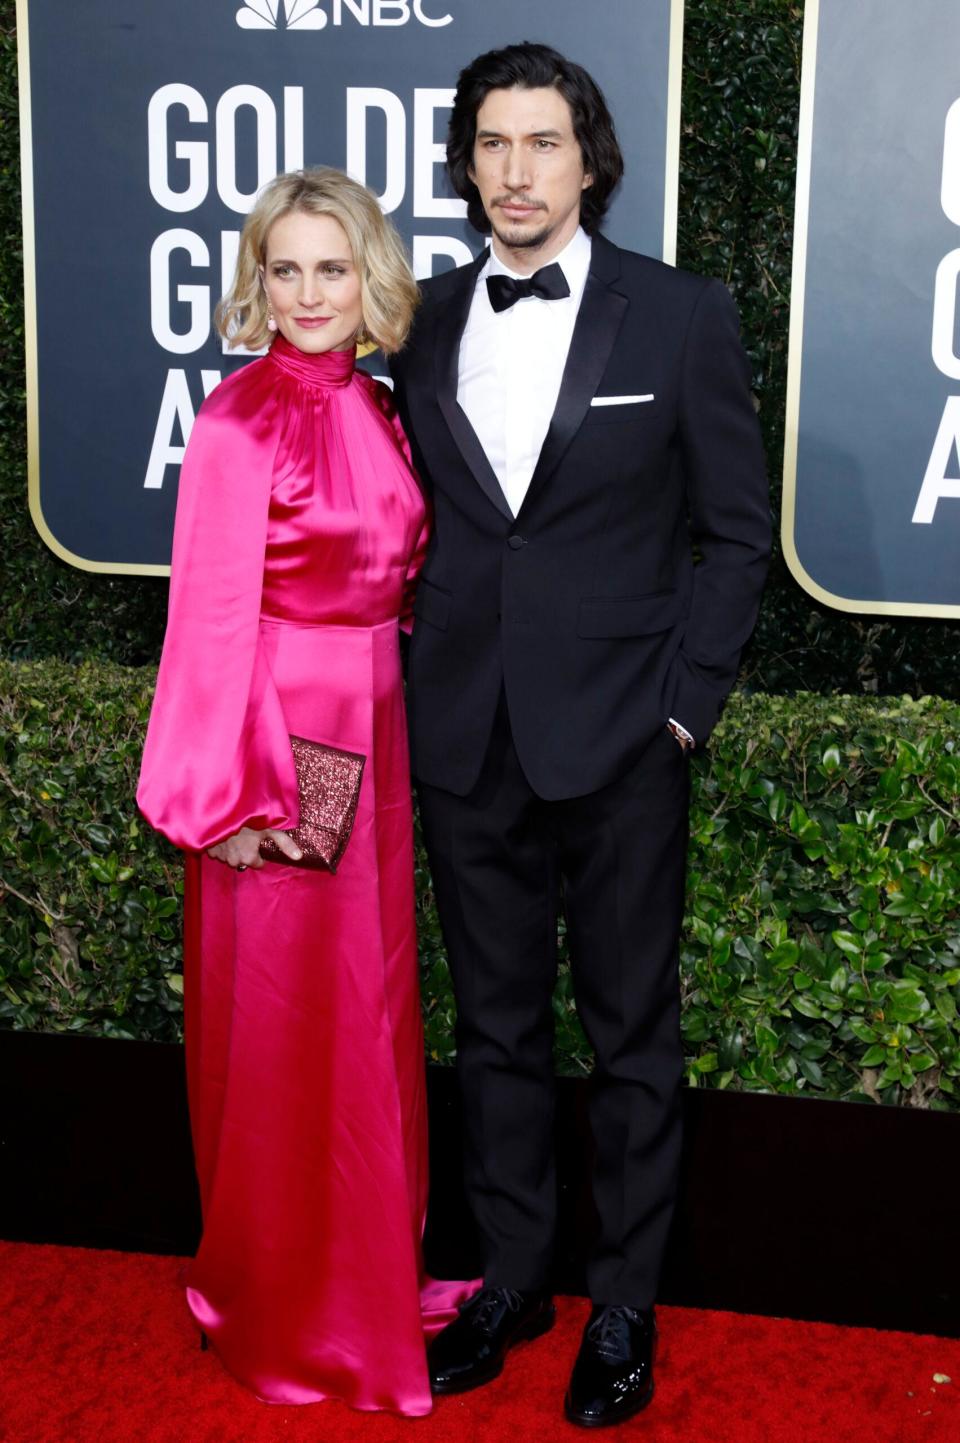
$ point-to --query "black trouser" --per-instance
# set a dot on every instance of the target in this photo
(500, 858)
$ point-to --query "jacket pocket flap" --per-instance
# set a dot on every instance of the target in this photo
(629, 615)
(432, 605)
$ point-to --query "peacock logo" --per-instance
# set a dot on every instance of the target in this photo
(308, 15)
(297, 15)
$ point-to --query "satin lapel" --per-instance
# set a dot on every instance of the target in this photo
(598, 323)
(449, 322)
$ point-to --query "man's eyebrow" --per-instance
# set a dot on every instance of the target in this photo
(538, 134)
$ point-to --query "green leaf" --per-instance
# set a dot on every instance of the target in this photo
(101, 869)
(777, 805)
(730, 1050)
(765, 1037)
(946, 1006)
(905, 1004)
(873, 1056)
(785, 955)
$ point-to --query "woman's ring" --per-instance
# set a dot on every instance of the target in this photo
(242, 867)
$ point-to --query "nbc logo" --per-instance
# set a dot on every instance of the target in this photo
(298, 15)
(307, 14)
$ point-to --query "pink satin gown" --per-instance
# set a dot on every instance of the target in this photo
(300, 529)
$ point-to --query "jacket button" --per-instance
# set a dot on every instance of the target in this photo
(515, 542)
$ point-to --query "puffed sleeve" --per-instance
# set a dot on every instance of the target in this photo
(217, 754)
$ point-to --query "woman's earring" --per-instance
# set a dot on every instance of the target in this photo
(271, 320)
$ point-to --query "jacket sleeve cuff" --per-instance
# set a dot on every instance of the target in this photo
(696, 700)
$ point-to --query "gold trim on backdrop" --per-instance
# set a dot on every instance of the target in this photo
(82, 563)
(671, 177)
(795, 357)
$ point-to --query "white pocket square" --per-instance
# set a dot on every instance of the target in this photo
(620, 400)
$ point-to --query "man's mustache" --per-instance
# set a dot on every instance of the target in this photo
(519, 200)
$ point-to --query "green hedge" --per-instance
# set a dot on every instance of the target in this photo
(737, 170)
(90, 938)
(822, 941)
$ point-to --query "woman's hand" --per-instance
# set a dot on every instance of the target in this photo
(242, 850)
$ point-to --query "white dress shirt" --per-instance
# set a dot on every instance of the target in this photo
(511, 366)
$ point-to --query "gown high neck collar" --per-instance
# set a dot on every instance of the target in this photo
(323, 370)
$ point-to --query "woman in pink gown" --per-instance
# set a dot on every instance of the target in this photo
(300, 529)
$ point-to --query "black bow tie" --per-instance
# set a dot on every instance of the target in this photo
(549, 283)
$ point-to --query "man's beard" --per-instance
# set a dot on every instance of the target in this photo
(525, 240)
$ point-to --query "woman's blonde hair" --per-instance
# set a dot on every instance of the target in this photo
(388, 291)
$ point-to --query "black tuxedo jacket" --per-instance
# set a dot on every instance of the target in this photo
(624, 590)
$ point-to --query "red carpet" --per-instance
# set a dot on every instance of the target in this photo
(97, 1347)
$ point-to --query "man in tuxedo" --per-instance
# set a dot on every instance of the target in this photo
(582, 418)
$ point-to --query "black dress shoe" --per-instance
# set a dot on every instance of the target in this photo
(470, 1350)
(613, 1376)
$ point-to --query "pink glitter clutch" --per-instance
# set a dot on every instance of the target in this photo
(328, 781)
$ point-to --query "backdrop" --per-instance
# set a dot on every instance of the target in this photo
(871, 507)
(148, 130)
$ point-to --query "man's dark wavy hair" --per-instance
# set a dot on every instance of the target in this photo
(532, 67)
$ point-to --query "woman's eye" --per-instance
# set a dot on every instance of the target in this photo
(283, 271)
(333, 270)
